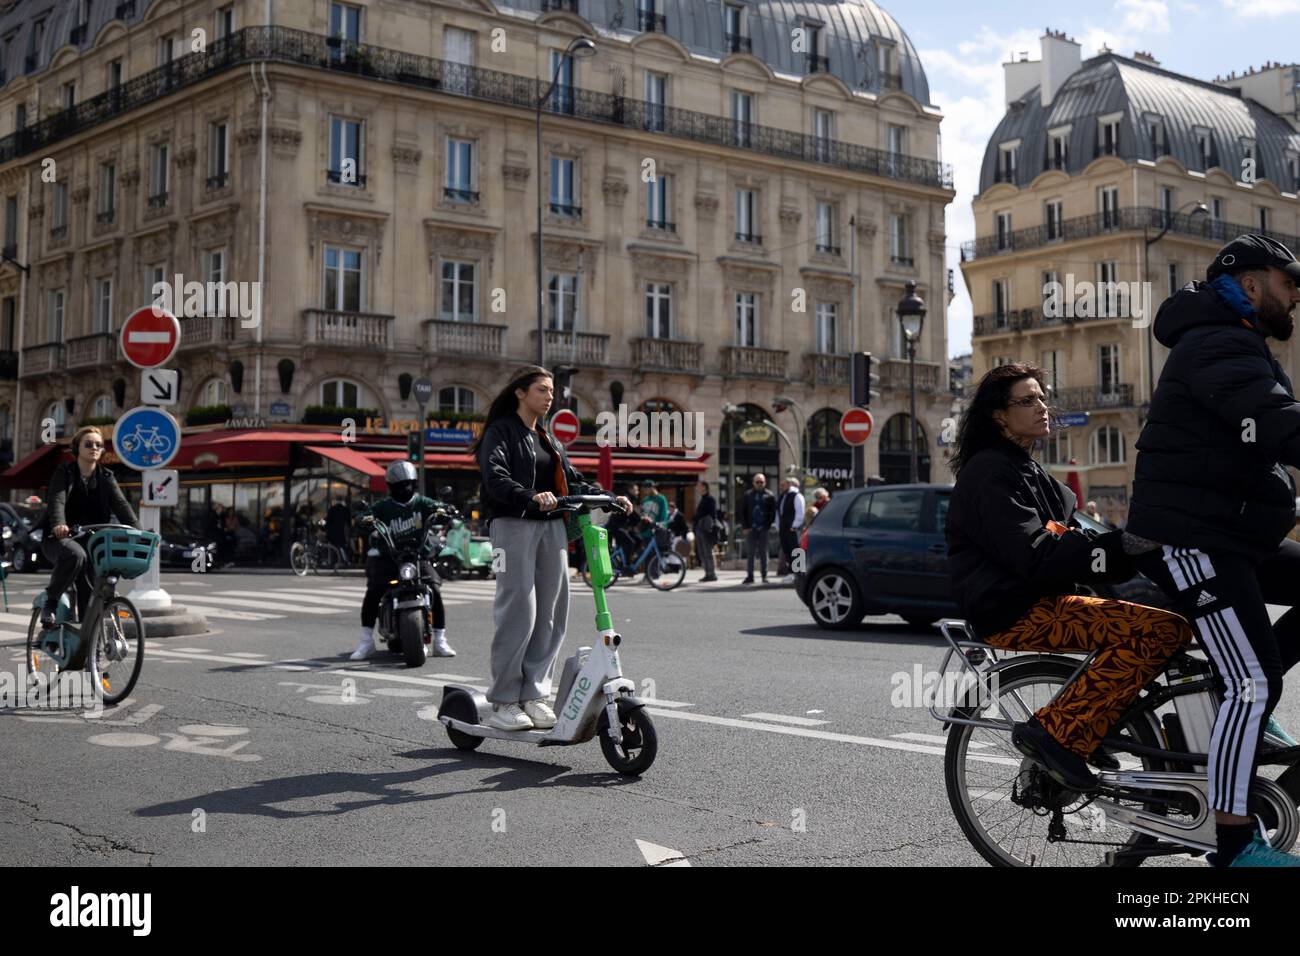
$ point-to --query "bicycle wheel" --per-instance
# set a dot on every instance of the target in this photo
(43, 672)
(118, 653)
(665, 570)
(1012, 812)
(327, 559)
(299, 559)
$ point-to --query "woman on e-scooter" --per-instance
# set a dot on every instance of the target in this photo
(524, 471)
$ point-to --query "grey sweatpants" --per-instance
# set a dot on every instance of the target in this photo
(531, 609)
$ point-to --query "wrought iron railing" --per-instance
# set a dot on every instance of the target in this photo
(738, 44)
(1092, 398)
(661, 224)
(461, 195)
(816, 63)
(649, 22)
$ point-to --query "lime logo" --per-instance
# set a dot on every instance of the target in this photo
(580, 690)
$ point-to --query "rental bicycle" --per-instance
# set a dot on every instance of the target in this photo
(664, 568)
(313, 553)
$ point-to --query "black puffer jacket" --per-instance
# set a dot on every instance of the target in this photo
(508, 467)
(1200, 481)
(1001, 557)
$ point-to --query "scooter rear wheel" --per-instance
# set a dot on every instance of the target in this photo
(462, 708)
(640, 742)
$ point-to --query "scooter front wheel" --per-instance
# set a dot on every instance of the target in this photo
(460, 706)
(640, 743)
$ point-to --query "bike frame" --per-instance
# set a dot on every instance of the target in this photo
(102, 591)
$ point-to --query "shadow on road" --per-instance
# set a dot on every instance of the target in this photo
(878, 633)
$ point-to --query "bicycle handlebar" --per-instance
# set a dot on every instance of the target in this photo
(77, 530)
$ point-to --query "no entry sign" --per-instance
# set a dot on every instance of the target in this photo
(856, 425)
(564, 426)
(149, 337)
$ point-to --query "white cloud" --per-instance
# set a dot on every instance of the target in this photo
(1143, 16)
(1262, 8)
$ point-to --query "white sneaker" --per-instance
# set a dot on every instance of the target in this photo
(440, 646)
(509, 717)
(366, 646)
(540, 714)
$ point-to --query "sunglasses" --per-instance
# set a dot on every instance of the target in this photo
(92, 444)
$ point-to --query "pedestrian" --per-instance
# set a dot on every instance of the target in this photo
(524, 471)
(654, 510)
(820, 499)
(337, 522)
(757, 514)
(620, 527)
(706, 516)
(790, 511)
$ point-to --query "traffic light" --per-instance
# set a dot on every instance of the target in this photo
(863, 381)
(413, 446)
(564, 386)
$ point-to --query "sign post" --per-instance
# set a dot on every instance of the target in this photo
(147, 438)
(423, 390)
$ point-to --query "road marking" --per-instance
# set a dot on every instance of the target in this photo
(657, 702)
(456, 678)
(244, 599)
(782, 719)
(304, 592)
(230, 614)
(935, 739)
(326, 669)
(657, 855)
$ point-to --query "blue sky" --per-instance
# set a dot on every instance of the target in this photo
(963, 45)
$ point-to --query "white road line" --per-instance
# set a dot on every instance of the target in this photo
(14, 617)
(308, 593)
(247, 599)
(229, 614)
(934, 739)
(658, 856)
(456, 678)
(333, 672)
(658, 702)
(783, 719)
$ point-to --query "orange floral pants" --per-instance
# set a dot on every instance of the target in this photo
(1133, 642)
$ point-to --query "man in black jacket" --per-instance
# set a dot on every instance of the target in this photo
(1213, 503)
(757, 513)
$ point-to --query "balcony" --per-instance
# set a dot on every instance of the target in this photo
(820, 368)
(891, 81)
(218, 180)
(445, 337)
(752, 238)
(568, 6)
(88, 351)
(814, 63)
(1119, 220)
(743, 362)
(648, 22)
(348, 330)
(826, 249)
(903, 262)
(662, 225)
(335, 177)
(42, 359)
(205, 331)
(738, 44)
(461, 195)
(666, 355)
(8, 365)
(894, 376)
(586, 348)
(1093, 398)
(566, 210)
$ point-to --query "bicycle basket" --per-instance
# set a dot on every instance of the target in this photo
(663, 538)
(125, 552)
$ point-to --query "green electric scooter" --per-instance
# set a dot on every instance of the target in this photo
(593, 698)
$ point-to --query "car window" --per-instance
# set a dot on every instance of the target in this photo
(941, 512)
(895, 510)
(856, 517)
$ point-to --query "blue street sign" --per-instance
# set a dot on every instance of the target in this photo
(1072, 420)
(146, 438)
(447, 436)
(281, 408)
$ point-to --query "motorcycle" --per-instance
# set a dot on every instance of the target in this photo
(463, 552)
(405, 621)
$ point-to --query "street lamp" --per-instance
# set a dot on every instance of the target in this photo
(781, 403)
(911, 317)
(730, 411)
(579, 48)
(1197, 208)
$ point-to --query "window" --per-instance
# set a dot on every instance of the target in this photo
(345, 21)
(647, 17)
(564, 174)
(342, 279)
(102, 406)
(11, 226)
(827, 342)
(886, 510)
(54, 316)
(1058, 149)
(107, 201)
(340, 393)
(20, 116)
(742, 116)
(1205, 146)
(60, 203)
(1108, 446)
(1108, 369)
(8, 320)
(460, 171)
(1108, 136)
(896, 145)
(1000, 360)
(154, 276)
(900, 239)
(166, 49)
(1293, 167)
(458, 291)
(656, 98)
(34, 38)
(1248, 150)
(824, 134)
(1002, 228)
(1053, 365)
(1166, 205)
(214, 265)
(218, 155)
(1054, 218)
(746, 209)
(1216, 209)
(104, 304)
(1264, 217)
(215, 391)
(747, 319)
(1108, 206)
(458, 49)
(114, 74)
(453, 398)
(225, 20)
(562, 99)
(1001, 302)
(1174, 284)
(1155, 127)
(159, 173)
(56, 413)
(827, 228)
(659, 310)
(1056, 447)
(69, 95)
(813, 58)
(346, 144)
(562, 301)
(1050, 284)
(659, 203)
(1008, 160)
(1107, 289)
(733, 24)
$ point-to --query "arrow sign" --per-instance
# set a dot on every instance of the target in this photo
(564, 426)
(149, 337)
(159, 488)
(159, 386)
(856, 425)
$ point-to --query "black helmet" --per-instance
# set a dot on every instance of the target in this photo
(402, 479)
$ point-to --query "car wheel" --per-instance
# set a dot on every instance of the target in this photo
(20, 560)
(834, 600)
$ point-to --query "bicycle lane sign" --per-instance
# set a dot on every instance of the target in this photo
(146, 438)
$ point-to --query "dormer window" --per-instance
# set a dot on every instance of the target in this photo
(1249, 159)
(1058, 148)
(1008, 161)
(1155, 130)
(1205, 147)
(1108, 135)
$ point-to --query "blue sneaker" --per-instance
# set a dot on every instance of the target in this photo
(1277, 730)
(1258, 853)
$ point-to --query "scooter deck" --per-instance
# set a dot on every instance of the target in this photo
(539, 737)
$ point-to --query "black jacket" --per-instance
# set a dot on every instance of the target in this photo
(71, 504)
(706, 507)
(747, 509)
(508, 467)
(1001, 557)
(1200, 479)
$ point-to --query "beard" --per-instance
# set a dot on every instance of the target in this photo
(1275, 317)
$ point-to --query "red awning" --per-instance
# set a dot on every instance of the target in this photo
(33, 471)
(354, 460)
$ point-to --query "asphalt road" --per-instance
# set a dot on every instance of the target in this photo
(260, 743)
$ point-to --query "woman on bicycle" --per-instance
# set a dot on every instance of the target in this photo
(1014, 562)
(81, 492)
(524, 471)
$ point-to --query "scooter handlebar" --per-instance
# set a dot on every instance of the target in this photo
(578, 502)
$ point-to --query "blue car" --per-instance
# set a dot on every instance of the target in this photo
(882, 550)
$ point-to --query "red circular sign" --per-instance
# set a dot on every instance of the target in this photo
(856, 425)
(149, 337)
(564, 426)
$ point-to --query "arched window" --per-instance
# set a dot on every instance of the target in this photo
(102, 406)
(896, 451)
(896, 436)
(55, 412)
(1108, 446)
(453, 398)
(745, 423)
(344, 393)
(824, 431)
(215, 391)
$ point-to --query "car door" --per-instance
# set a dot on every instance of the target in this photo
(885, 536)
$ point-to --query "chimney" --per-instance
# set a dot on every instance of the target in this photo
(1019, 76)
(1143, 56)
(1062, 58)
(1275, 87)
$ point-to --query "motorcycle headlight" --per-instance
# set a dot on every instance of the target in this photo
(407, 572)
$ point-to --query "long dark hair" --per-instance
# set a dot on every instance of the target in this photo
(978, 430)
(507, 402)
